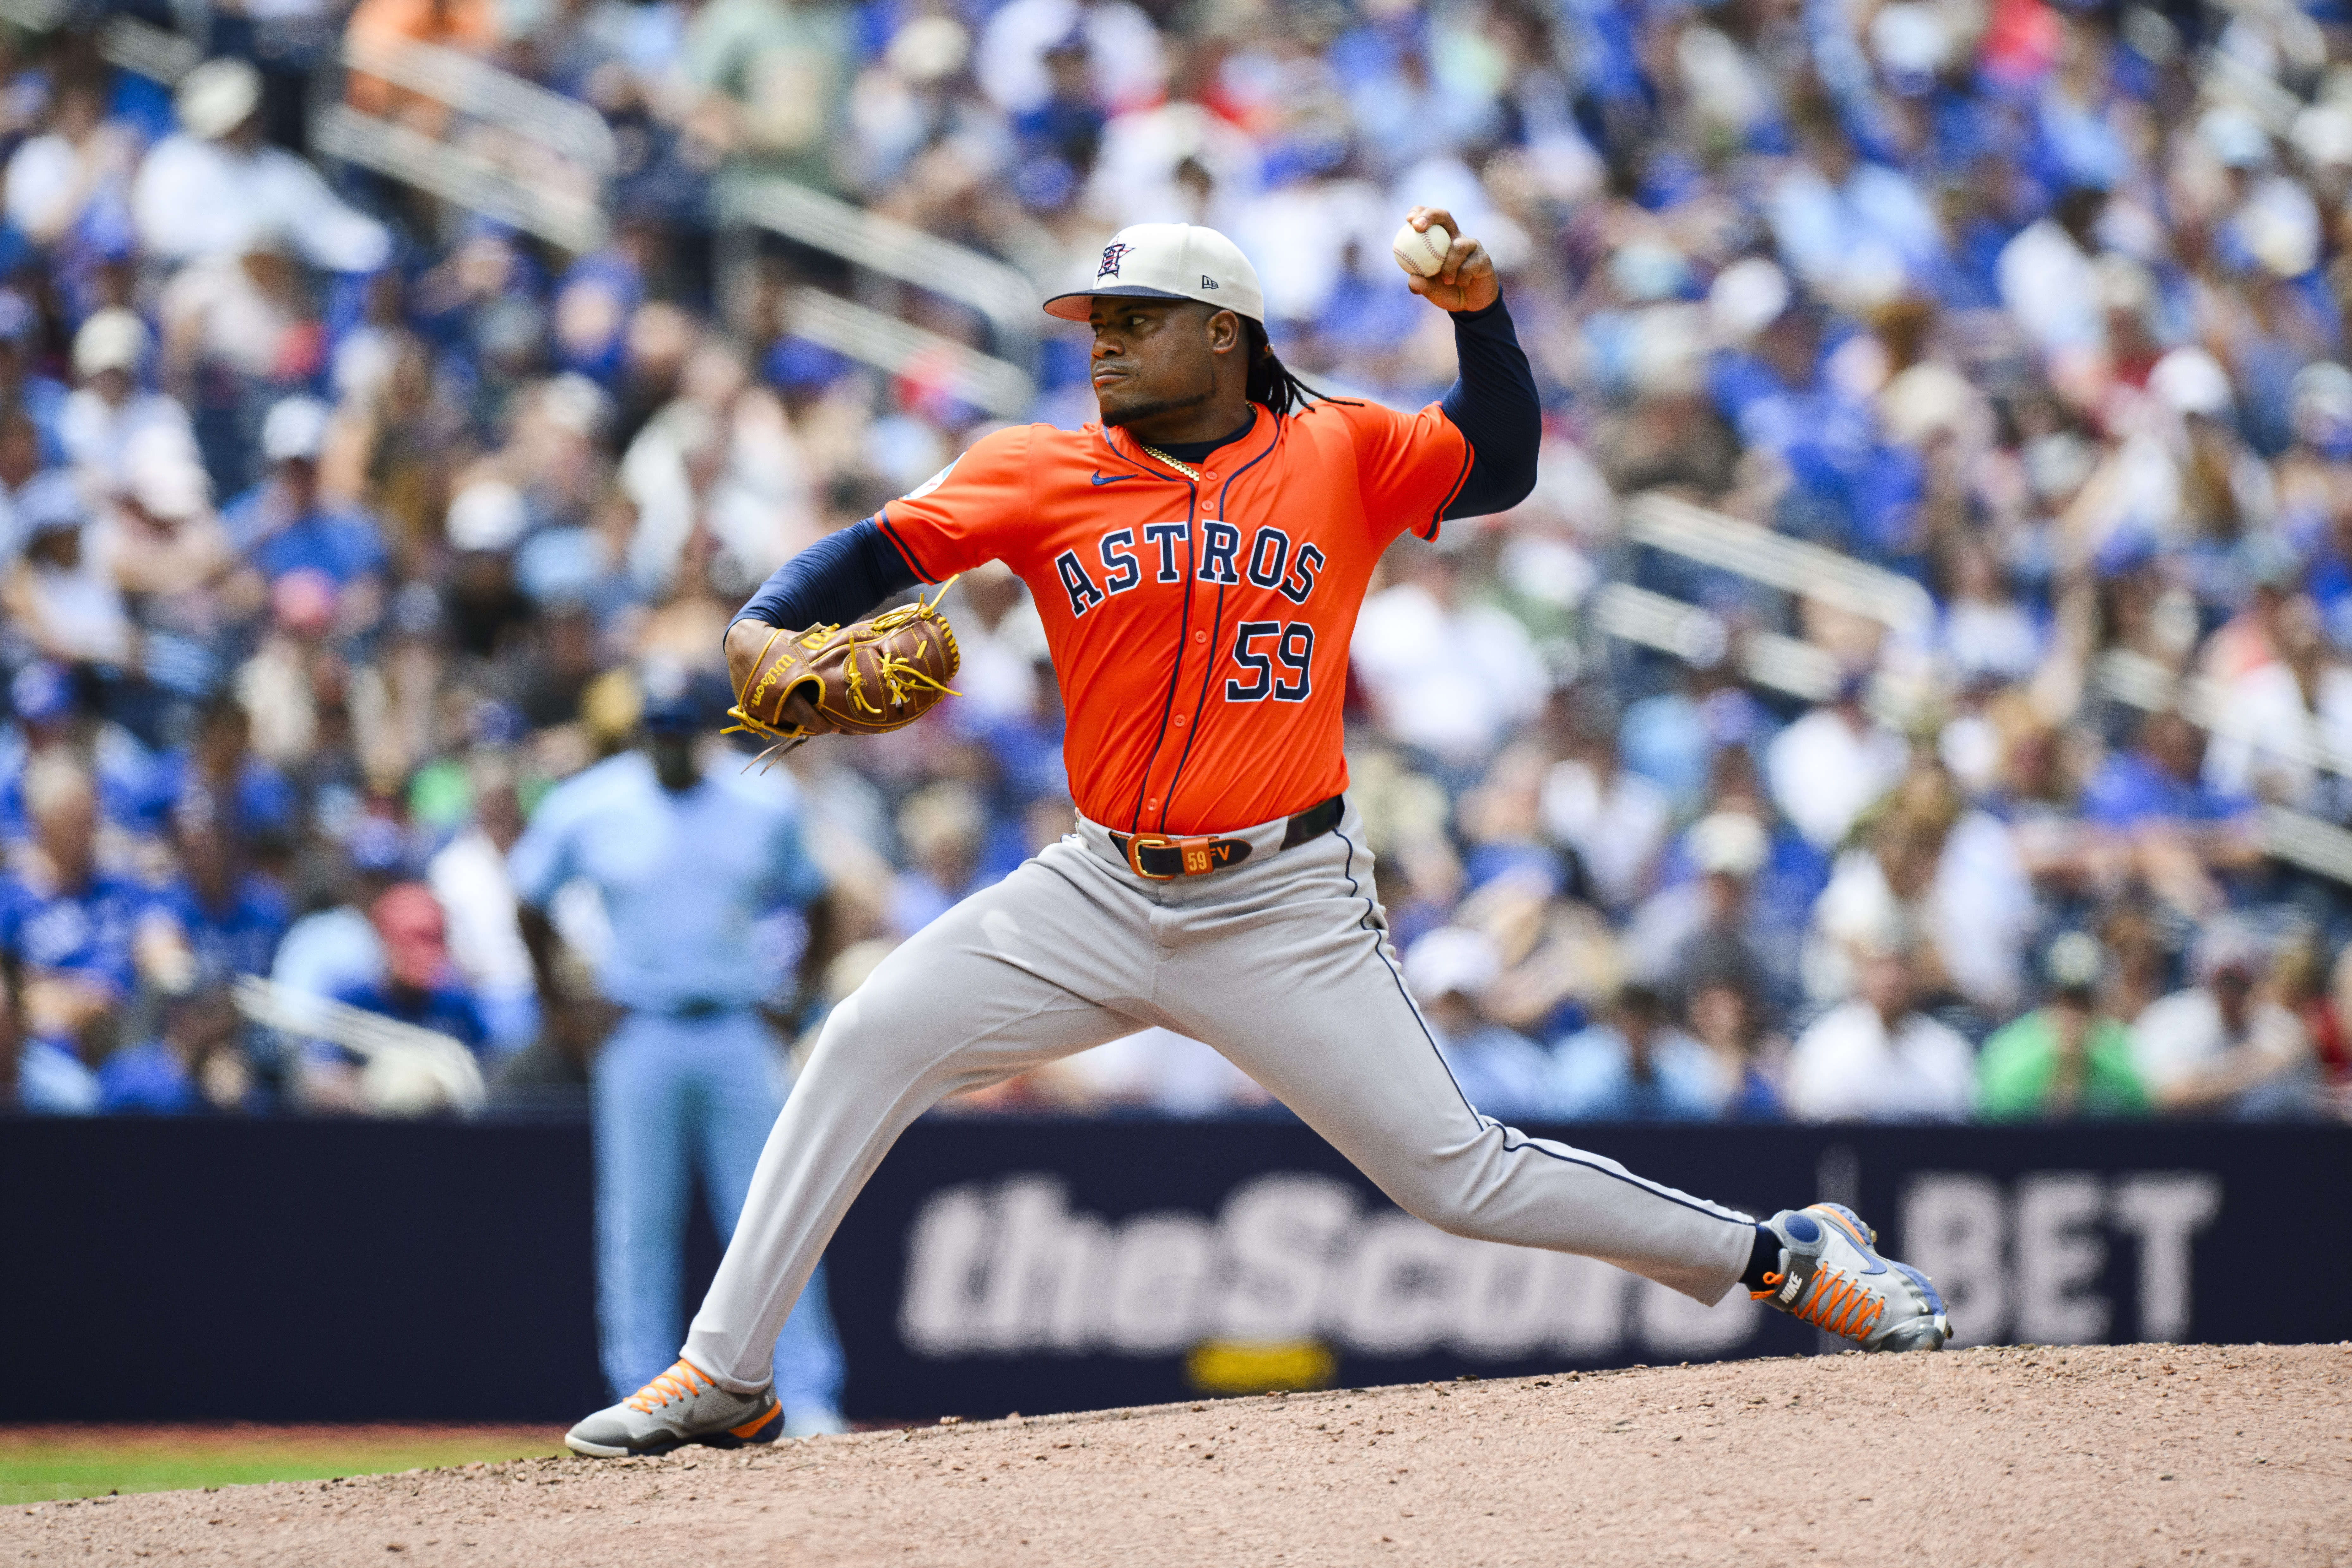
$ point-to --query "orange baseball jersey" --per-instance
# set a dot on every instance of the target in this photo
(1198, 630)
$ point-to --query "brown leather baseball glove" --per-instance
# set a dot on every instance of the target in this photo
(859, 679)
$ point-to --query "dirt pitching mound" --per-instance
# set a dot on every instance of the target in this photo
(2160, 1454)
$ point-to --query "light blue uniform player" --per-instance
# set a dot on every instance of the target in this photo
(687, 865)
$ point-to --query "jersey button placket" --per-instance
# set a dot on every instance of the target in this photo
(1200, 636)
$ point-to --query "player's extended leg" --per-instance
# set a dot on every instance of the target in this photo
(1048, 962)
(641, 1186)
(744, 1090)
(1286, 969)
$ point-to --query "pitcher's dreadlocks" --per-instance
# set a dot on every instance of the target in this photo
(1270, 380)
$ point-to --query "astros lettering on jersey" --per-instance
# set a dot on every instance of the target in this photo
(1199, 629)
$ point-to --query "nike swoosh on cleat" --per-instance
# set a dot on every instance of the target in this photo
(1927, 1286)
(766, 1414)
(1878, 1265)
(1113, 479)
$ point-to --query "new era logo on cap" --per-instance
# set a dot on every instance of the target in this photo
(1168, 262)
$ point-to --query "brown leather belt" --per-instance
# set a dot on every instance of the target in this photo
(1163, 858)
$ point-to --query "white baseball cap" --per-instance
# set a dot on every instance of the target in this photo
(163, 474)
(295, 427)
(113, 339)
(488, 515)
(2188, 379)
(1452, 958)
(217, 96)
(1730, 843)
(1168, 262)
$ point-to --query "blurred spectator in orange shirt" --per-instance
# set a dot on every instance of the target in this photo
(382, 27)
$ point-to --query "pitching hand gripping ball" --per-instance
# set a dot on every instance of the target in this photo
(1422, 250)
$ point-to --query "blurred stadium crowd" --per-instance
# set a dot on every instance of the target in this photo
(342, 525)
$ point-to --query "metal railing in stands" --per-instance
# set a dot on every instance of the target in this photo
(563, 125)
(577, 218)
(1663, 522)
(35, 16)
(1801, 670)
(152, 51)
(2316, 844)
(559, 127)
(436, 1060)
(2302, 839)
(568, 211)
(2233, 81)
(1002, 294)
(1697, 636)
(899, 348)
(148, 50)
(457, 175)
(2140, 681)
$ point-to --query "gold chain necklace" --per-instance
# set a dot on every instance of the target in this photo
(1187, 469)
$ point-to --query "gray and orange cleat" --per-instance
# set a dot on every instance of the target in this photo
(679, 1407)
(1831, 1276)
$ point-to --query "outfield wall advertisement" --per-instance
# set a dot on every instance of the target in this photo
(446, 1271)
(1010, 1268)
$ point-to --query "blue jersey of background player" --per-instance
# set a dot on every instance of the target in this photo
(687, 863)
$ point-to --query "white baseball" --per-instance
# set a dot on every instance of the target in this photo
(1422, 250)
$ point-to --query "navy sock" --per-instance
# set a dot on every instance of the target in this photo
(1765, 1259)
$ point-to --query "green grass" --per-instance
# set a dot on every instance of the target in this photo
(38, 1463)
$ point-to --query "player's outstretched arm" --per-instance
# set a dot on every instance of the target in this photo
(1493, 403)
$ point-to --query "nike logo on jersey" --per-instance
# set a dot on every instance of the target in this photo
(1114, 479)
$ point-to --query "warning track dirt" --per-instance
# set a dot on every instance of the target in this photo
(2076, 1456)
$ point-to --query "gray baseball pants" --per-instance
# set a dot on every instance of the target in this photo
(1283, 963)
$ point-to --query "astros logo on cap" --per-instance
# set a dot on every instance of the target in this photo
(1168, 261)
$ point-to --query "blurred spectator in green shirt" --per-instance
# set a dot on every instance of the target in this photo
(2066, 1057)
(774, 76)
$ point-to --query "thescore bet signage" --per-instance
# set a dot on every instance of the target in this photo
(1053, 1265)
(997, 1264)
(1007, 1267)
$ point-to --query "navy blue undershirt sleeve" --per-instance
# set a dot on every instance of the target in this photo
(1494, 404)
(837, 580)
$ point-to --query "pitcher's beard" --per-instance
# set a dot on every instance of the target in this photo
(1145, 411)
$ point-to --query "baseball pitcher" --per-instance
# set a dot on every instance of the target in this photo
(1198, 556)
